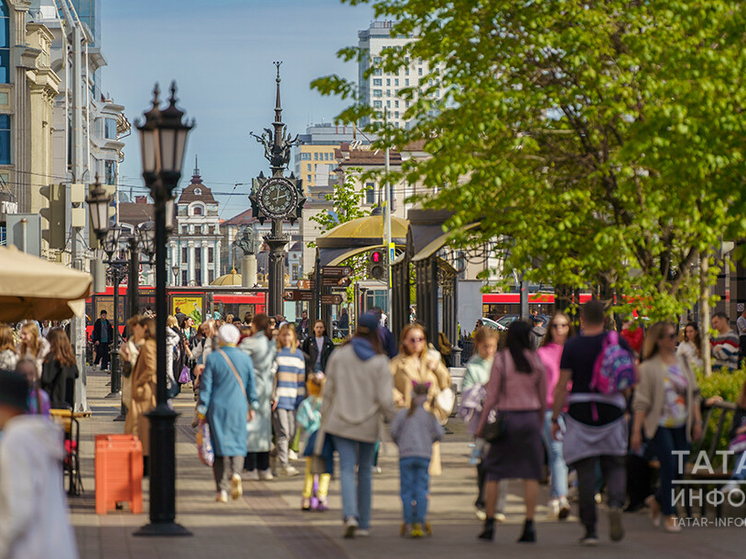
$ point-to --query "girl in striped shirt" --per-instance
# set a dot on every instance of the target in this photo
(289, 392)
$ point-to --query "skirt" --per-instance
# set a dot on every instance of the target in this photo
(520, 454)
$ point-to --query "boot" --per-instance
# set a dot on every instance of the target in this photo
(529, 535)
(488, 533)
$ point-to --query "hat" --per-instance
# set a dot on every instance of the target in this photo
(14, 390)
(229, 334)
(369, 321)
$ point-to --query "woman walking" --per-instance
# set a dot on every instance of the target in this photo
(550, 354)
(143, 391)
(666, 405)
(262, 350)
(415, 363)
(33, 345)
(517, 391)
(690, 347)
(226, 390)
(289, 392)
(59, 371)
(318, 347)
(357, 394)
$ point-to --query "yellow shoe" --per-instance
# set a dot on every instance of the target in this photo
(417, 531)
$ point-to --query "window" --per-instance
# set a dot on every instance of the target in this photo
(4, 44)
(184, 229)
(198, 230)
(185, 254)
(110, 172)
(184, 277)
(305, 157)
(377, 82)
(388, 104)
(377, 72)
(377, 93)
(388, 93)
(4, 139)
(377, 104)
(396, 104)
(308, 167)
(295, 276)
(388, 82)
(211, 230)
(197, 210)
(376, 60)
(315, 156)
(210, 276)
(110, 129)
(210, 255)
(406, 71)
(396, 114)
(370, 193)
(308, 178)
(406, 82)
(198, 266)
(198, 192)
(396, 81)
(419, 71)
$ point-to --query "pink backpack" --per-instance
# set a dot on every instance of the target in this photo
(614, 369)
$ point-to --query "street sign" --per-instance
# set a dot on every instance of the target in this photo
(335, 282)
(331, 299)
(305, 284)
(298, 295)
(336, 271)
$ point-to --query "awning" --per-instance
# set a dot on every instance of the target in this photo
(358, 236)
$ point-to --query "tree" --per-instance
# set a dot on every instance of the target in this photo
(600, 142)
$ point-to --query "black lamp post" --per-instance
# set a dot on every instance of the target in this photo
(163, 138)
(117, 271)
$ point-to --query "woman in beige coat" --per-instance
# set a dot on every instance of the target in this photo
(666, 405)
(143, 381)
(416, 364)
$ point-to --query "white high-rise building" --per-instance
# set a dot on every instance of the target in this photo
(381, 90)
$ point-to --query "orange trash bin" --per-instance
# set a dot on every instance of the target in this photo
(118, 472)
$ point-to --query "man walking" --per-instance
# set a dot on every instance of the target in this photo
(103, 334)
(596, 428)
(724, 347)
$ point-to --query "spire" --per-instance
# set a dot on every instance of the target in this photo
(196, 166)
(278, 106)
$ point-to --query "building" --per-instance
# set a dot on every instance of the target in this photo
(381, 90)
(195, 244)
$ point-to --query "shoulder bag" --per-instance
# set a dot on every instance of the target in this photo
(496, 427)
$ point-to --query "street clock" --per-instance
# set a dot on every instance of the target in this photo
(277, 198)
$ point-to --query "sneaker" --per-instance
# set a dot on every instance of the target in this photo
(350, 527)
(564, 510)
(252, 475)
(236, 487)
(377, 469)
(554, 509)
(500, 518)
(292, 455)
(481, 515)
(672, 525)
(616, 530)
(289, 471)
(598, 498)
(362, 533)
(589, 540)
(222, 497)
(322, 506)
(266, 475)
(305, 504)
(655, 510)
(417, 531)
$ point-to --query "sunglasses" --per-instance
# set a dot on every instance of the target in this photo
(416, 340)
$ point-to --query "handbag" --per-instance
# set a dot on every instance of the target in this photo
(446, 399)
(496, 427)
(184, 376)
(204, 445)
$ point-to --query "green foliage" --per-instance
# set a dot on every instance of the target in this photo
(728, 386)
(600, 142)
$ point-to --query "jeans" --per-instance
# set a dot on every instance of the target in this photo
(103, 355)
(557, 466)
(665, 442)
(284, 424)
(413, 487)
(356, 497)
(224, 468)
(612, 469)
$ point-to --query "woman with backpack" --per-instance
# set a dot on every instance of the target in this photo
(517, 392)
(666, 405)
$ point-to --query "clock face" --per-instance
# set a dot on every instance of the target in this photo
(277, 197)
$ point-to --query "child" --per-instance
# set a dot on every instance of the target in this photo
(414, 431)
(316, 486)
(288, 393)
(477, 374)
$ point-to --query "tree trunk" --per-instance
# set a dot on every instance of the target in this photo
(704, 312)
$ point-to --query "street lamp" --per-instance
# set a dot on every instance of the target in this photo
(98, 201)
(163, 137)
(118, 271)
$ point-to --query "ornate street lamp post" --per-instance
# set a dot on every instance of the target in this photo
(163, 137)
(117, 271)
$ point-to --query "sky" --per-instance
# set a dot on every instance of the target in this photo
(220, 53)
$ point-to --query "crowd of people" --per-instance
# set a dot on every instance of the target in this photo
(268, 389)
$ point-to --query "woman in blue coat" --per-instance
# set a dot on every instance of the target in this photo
(226, 389)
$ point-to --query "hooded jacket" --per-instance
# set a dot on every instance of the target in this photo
(357, 393)
(33, 508)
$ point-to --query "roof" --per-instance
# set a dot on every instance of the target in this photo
(233, 278)
(244, 218)
(189, 194)
(347, 156)
(135, 213)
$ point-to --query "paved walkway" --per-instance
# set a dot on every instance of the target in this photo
(267, 521)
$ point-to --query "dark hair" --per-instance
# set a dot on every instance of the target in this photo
(261, 321)
(322, 323)
(721, 314)
(518, 341)
(697, 337)
(593, 312)
(60, 348)
(103, 312)
(369, 335)
(418, 389)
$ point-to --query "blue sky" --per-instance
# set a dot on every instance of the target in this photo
(220, 53)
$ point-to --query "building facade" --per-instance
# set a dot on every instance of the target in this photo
(195, 244)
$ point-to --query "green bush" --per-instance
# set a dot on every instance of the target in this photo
(727, 385)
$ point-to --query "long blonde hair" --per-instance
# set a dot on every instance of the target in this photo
(6, 338)
(33, 348)
(287, 328)
(654, 335)
(405, 332)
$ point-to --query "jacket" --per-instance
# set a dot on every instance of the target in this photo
(358, 392)
(407, 369)
(98, 326)
(290, 379)
(34, 514)
(262, 352)
(309, 346)
(59, 383)
(649, 393)
(415, 434)
(143, 400)
(8, 360)
(477, 371)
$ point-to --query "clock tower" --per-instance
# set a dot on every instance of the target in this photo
(277, 198)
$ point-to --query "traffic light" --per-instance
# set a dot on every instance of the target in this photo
(377, 267)
(53, 231)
